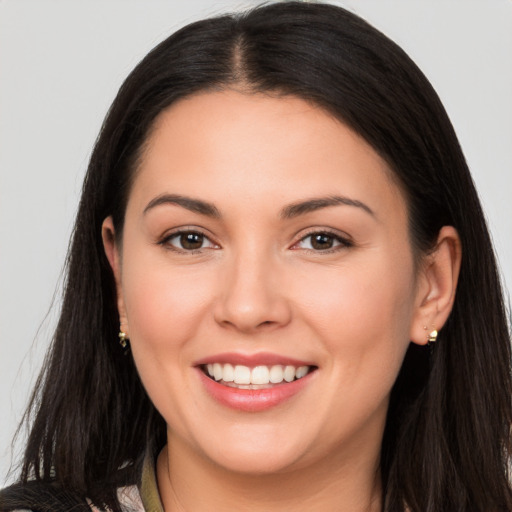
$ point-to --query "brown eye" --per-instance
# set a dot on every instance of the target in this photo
(188, 241)
(323, 241)
(191, 241)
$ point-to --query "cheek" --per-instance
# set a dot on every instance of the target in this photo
(163, 304)
(361, 316)
(363, 313)
(164, 307)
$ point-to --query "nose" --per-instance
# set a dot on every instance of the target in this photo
(252, 295)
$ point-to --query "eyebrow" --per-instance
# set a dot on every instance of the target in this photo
(311, 205)
(194, 205)
(288, 212)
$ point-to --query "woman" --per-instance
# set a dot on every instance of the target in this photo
(279, 226)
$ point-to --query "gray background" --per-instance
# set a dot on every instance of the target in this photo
(61, 63)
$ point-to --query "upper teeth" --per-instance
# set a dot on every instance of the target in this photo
(240, 374)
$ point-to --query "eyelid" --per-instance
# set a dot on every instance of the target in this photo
(344, 239)
(164, 239)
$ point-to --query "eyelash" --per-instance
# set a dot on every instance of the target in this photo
(344, 242)
(176, 234)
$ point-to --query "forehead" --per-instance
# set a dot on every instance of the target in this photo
(259, 150)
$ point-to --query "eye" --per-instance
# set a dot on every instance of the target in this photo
(188, 241)
(323, 241)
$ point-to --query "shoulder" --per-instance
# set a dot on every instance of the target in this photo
(44, 497)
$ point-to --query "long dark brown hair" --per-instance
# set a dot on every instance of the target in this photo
(447, 442)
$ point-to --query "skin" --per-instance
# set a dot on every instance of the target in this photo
(257, 284)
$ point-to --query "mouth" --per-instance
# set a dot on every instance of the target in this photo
(256, 377)
(254, 383)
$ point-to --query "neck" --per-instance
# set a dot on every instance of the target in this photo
(189, 483)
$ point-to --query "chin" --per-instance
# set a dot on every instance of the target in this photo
(256, 454)
(258, 463)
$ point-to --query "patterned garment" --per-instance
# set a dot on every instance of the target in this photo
(130, 500)
(134, 498)
(145, 499)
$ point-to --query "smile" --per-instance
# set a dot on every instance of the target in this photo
(254, 383)
(258, 377)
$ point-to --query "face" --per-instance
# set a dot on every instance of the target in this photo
(266, 281)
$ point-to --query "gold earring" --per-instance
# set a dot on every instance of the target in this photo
(123, 341)
(432, 337)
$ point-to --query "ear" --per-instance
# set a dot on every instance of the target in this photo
(436, 286)
(112, 251)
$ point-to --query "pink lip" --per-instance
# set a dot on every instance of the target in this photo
(252, 360)
(253, 400)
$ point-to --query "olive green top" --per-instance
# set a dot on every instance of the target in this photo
(149, 488)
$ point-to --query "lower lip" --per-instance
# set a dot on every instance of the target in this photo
(253, 400)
